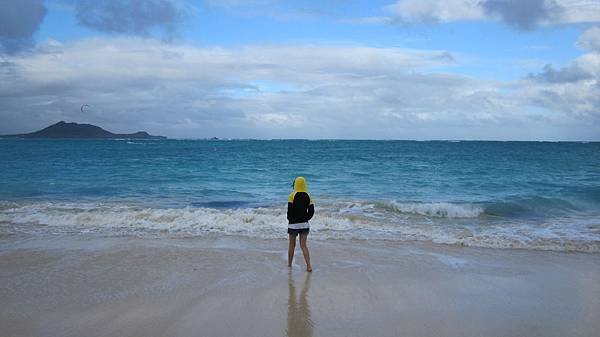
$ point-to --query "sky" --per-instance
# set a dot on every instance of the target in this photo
(328, 69)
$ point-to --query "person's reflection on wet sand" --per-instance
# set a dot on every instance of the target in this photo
(299, 322)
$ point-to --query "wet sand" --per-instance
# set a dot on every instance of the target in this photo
(242, 287)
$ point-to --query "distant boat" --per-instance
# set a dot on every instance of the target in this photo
(63, 129)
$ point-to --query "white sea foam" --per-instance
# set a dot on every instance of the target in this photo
(435, 209)
(341, 220)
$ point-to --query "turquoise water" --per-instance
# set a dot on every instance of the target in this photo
(534, 195)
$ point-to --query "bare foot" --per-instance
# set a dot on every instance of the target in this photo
(309, 269)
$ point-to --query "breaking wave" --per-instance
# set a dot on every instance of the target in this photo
(446, 223)
(515, 208)
(434, 209)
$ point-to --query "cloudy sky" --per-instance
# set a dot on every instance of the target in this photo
(390, 69)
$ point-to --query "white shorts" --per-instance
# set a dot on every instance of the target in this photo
(301, 225)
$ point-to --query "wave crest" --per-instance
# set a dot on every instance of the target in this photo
(434, 209)
(443, 223)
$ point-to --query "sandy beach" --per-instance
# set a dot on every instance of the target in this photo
(232, 286)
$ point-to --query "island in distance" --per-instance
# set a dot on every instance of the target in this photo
(63, 129)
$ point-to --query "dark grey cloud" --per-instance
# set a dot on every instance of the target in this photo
(523, 14)
(133, 17)
(572, 90)
(446, 56)
(569, 74)
(19, 20)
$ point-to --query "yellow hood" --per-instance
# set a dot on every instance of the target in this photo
(300, 186)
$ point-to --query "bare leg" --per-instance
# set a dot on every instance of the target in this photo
(304, 248)
(291, 248)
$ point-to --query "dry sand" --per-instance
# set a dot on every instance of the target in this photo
(242, 287)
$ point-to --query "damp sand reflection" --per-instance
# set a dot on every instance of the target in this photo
(299, 322)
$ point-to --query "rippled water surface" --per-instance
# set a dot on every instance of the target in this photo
(534, 195)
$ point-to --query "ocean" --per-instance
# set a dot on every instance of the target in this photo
(515, 195)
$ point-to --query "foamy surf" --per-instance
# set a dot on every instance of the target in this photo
(434, 209)
(445, 223)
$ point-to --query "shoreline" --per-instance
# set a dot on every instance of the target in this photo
(436, 222)
(227, 286)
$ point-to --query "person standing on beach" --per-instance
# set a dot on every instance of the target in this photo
(300, 209)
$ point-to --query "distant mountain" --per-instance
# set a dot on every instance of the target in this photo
(75, 130)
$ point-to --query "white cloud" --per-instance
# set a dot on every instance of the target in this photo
(273, 91)
(520, 14)
(590, 40)
(437, 11)
(577, 11)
